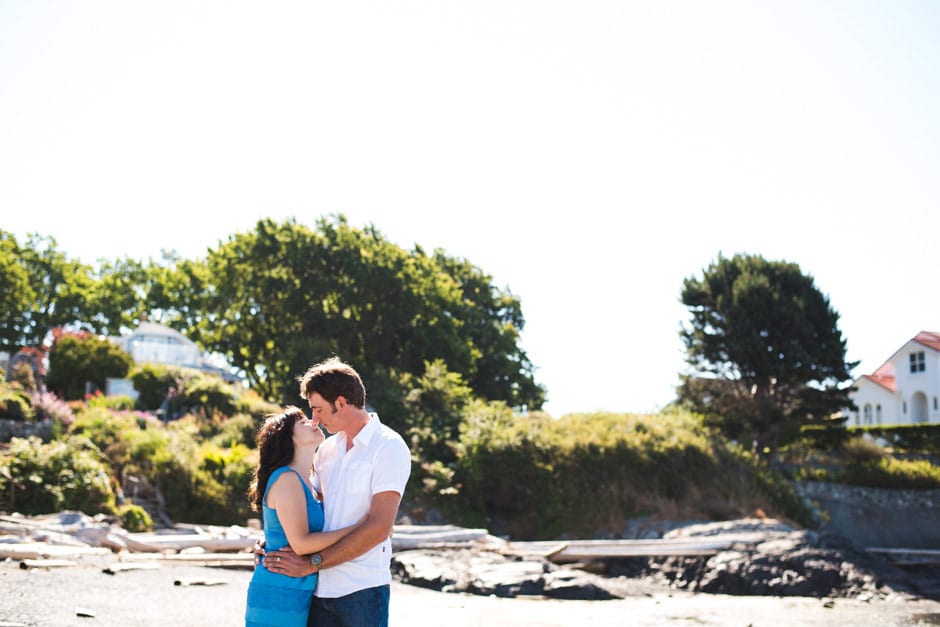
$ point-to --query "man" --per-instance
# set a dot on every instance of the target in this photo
(361, 472)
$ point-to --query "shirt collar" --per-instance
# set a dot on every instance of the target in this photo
(365, 434)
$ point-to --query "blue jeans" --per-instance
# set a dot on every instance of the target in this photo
(363, 608)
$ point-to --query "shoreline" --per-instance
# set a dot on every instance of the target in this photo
(198, 596)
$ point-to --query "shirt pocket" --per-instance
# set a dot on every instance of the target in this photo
(360, 477)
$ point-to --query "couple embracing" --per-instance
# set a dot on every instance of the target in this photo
(327, 533)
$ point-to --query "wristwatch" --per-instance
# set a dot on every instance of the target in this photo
(316, 559)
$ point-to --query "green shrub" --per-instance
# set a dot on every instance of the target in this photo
(532, 476)
(239, 429)
(24, 375)
(862, 450)
(919, 438)
(104, 427)
(75, 360)
(208, 487)
(250, 403)
(777, 488)
(111, 402)
(135, 518)
(182, 390)
(15, 403)
(897, 474)
(823, 437)
(65, 474)
(208, 395)
(151, 382)
(156, 383)
(147, 450)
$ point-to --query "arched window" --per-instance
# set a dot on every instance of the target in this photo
(878, 414)
(867, 413)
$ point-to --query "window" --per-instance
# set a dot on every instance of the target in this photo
(917, 362)
(878, 414)
(867, 414)
(935, 403)
(904, 405)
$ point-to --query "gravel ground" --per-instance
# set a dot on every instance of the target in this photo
(84, 595)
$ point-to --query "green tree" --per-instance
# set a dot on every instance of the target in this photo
(79, 358)
(283, 296)
(177, 293)
(276, 299)
(764, 349)
(118, 296)
(16, 295)
(60, 288)
(268, 305)
(41, 289)
(491, 323)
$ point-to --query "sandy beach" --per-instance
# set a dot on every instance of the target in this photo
(183, 595)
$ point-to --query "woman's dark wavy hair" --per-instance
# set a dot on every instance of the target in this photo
(275, 442)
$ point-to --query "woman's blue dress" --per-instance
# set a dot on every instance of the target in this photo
(275, 599)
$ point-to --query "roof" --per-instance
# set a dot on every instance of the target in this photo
(885, 381)
(924, 338)
(928, 339)
(159, 330)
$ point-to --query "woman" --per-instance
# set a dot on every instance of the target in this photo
(291, 515)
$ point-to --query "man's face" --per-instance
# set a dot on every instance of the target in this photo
(323, 412)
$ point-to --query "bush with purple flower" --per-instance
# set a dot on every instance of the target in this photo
(48, 406)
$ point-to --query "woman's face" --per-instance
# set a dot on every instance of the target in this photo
(307, 432)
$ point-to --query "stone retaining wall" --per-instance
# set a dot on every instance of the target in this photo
(875, 517)
(25, 428)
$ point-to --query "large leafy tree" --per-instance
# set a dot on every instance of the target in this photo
(178, 291)
(275, 299)
(280, 297)
(54, 293)
(764, 349)
(492, 321)
(16, 295)
(125, 291)
(118, 295)
(266, 300)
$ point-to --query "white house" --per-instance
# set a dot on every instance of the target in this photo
(152, 342)
(904, 390)
(156, 343)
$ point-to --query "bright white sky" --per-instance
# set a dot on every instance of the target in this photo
(588, 155)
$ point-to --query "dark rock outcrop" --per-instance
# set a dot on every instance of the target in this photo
(787, 563)
(784, 562)
(490, 573)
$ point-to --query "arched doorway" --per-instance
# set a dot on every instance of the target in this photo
(919, 407)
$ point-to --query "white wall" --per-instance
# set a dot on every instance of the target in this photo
(163, 350)
(926, 382)
(871, 394)
(899, 408)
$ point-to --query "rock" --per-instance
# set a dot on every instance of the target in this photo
(787, 563)
(489, 573)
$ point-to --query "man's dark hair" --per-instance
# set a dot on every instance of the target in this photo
(331, 379)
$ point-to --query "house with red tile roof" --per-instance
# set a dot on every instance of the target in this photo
(903, 390)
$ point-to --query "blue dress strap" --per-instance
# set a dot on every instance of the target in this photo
(277, 474)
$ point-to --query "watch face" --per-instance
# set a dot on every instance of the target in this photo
(317, 560)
